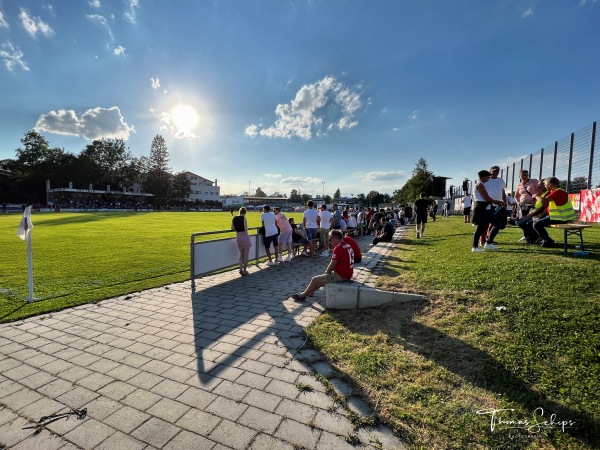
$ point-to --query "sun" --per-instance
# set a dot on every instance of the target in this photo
(184, 118)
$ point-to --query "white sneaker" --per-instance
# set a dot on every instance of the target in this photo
(304, 254)
(477, 250)
(325, 253)
(289, 257)
(490, 246)
(269, 263)
(280, 259)
(523, 238)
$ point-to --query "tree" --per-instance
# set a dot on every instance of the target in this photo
(259, 192)
(337, 194)
(361, 200)
(421, 181)
(374, 198)
(181, 187)
(295, 196)
(305, 198)
(159, 179)
(109, 161)
(327, 199)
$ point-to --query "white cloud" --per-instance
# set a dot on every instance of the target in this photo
(12, 57)
(119, 50)
(528, 13)
(155, 83)
(93, 124)
(94, 3)
(324, 105)
(104, 23)
(168, 124)
(414, 115)
(3, 22)
(300, 180)
(273, 175)
(130, 15)
(384, 176)
(34, 25)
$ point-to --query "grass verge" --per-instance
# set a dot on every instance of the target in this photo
(514, 330)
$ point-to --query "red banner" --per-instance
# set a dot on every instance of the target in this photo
(590, 206)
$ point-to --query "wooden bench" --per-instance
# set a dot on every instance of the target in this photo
(572, 228)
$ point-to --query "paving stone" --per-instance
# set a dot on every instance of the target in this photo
(341, 387)
(168, 410)
(199, 421)
(43, 407)
(145, 380)
(77, 397)
(262, 400)
(298, 434)
(44, 440)
(20, 399)
(226, 408)
(123, 372)
(263, 441)
(297, 411)
(55, 388)
(102, 407)
(12, 432)
(231, 390)
(260, 420)
(283, 374)
(156, 432)
(197, 398)
(117, 390)
(37, 379)
(103, 365)
(90, 434)
(187, 440)
(316, 399)
(323, 368)
(6, 415)
(282, 389)
(120, 441)
(95, 381)
(382, 436)
(169, 388)
(233, 435)
(333, 442)
(359, 406)
(126, 419)
(19, 372)
(333, 422)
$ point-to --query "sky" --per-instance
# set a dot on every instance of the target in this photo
(312, 95)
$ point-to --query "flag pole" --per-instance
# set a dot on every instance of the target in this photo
(30, 267)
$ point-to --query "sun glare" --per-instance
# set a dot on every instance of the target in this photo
(184, 118)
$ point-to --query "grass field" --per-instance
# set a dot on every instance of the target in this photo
(518, 328)
(84, 257)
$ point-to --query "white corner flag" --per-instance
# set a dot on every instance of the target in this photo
(24, 232)
(25, 226)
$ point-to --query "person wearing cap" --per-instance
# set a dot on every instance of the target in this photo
(482, 213)
(340, 267)
(325, 225)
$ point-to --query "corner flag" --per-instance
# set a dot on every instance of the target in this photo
(25, 226)
(24, 232)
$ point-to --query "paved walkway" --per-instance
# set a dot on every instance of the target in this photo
(223, 368)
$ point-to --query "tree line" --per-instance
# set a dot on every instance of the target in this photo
(104, 162)
(108, 162)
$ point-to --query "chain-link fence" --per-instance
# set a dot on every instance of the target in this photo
(570, 159)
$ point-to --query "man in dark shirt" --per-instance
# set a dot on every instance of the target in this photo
(421, 206)
(388, 232)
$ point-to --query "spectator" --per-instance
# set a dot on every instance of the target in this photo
(483, 211)
(466, 202)
(240, 225)
(526, 191)
(559, 207)
(355, 248)
(285, 234)
(421, 207)
(310, 226)
(337, 217)
(298, 236)
(339, 268)
(324, 227)
(268, 222)
(387, 233)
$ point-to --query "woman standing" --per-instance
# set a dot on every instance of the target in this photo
(240, 225)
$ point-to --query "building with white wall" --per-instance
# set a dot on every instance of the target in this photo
(203, 189)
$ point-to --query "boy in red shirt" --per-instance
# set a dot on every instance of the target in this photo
(340, 267)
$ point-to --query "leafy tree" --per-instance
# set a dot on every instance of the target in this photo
(305, 198)
(421, 181)
(295, 196)
(108, 160)
(337, 194)
(181, 187)
(361, 200)
(374, 198)
(259, 192)
(328, 199)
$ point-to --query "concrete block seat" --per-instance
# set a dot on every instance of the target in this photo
(361, 291)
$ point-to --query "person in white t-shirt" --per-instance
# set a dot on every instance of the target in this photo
(311, 227)
(467, 202)
(324, 226)
(271, 234)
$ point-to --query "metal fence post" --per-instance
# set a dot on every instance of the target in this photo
(554, 159)
(541, 162)
(570, 163)
(592, 145)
